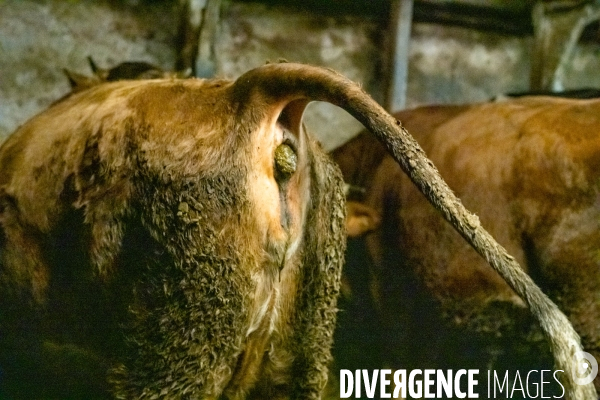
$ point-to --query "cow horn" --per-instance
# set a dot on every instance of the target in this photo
(98, 72)
(279, 85)
(79, 81)
(93, 64)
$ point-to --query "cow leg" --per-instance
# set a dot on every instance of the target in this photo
(319, 282)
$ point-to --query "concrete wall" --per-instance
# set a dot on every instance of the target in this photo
(447, 64)
(40, 38)
(253, 33)
(457, 65)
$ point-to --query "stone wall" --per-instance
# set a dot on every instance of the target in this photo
(446, 65)
(251, 34)
(40, 38)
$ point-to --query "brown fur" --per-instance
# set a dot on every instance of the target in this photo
(159, 200)
(145, 246)
(529, 169)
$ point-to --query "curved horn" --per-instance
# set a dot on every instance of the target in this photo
(78, 81)
(100, 73)
(93, 65)
(277, 85)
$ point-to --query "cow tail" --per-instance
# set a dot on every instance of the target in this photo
(278, 86)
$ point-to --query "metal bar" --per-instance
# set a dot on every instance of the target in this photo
(402, 11)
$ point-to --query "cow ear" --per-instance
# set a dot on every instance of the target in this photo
(360, 219)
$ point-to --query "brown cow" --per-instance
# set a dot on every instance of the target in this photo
(530, 169)
(154, 241)
(127, 70)
(183, 238)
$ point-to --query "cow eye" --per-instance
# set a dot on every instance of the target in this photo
(286, 161)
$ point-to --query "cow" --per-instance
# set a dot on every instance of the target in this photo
(126, 70)
(529, 169)
(184, 239)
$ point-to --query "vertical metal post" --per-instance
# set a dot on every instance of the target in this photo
(401, 21)
(206, 59)
(197, 36)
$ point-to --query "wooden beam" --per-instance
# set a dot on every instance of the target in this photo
(558, 25)
(513, 20)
